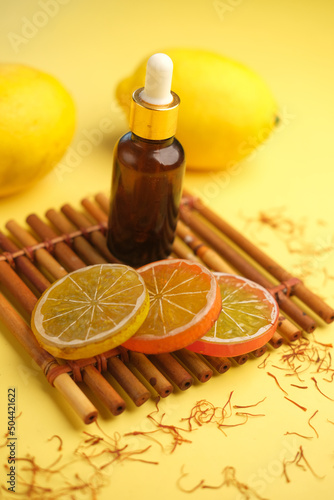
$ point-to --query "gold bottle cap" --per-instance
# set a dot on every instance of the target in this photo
(152, 121)
(154, 107)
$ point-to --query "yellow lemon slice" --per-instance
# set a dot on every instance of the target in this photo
(247, 321)
(185, 303)
(90, 311)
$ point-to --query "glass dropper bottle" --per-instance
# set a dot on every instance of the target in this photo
(148, 171)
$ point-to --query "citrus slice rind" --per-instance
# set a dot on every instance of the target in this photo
(247, 321)
(90, 311)
(184, 304)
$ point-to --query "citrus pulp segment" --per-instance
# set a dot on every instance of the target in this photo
(247, 321)
(185, 302)
(90, 311)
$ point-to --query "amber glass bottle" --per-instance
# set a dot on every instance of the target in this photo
(147, 178)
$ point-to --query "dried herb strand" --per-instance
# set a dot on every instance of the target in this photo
(235, 425)
(309, 423)
(316, 384)
(297, 404)
(60, 447)
(300, 456)
(249, 406)
(241, 413)
(297, 434)
(146, 434)
(322, 344)
(229, 479)
(331, 379)
(277, 383)
(264, 362)
(228, 403)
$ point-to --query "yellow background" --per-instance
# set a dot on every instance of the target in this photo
(90, 46)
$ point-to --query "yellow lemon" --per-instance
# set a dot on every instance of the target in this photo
(37, 122)
(226, 111)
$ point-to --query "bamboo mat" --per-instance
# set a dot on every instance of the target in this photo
(69, 239)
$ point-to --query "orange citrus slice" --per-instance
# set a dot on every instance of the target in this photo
(247, 321)
(90, 311)
(184, 304)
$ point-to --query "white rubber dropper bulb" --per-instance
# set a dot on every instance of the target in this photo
(158, 82)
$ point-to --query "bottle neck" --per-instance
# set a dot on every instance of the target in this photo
(160, 142)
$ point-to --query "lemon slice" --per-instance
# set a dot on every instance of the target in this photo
(185, 303)
(90, 311)
(247, 321)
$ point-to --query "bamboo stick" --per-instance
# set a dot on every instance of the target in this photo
(200, 369)
(23, 334)
(76, 398)
(173, 370)
(103, 201)
(313, 301)
(42, 256)
(240, 360)
(62, 251)
(259, 352)
(96, 237)
(17, 288)
(24, 265)
(276, 340)
(245, 268)
(94, 210)
(220, 364)
(80, 244)
(182, 250)
(288, 330)
(104, 391)
(134, 388)
(211, 258)
(154, 377)
(63, 382)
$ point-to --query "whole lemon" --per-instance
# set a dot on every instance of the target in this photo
(37, 122)
(226, 111)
